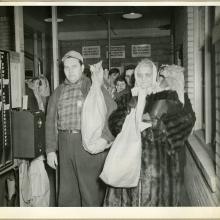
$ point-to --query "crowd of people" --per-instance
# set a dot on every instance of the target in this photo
(163, 120)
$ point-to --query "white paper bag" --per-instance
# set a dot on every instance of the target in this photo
(94, 114)
(123, 163)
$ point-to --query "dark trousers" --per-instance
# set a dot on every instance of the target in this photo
(79, 183)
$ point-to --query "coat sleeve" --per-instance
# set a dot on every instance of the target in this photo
(51, 122)
(117, 117)
(111, 106)
(180, 125)
(86, 84)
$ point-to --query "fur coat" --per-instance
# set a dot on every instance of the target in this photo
(163, 146)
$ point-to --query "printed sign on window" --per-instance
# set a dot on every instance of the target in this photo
(142, 50)
(116, 52)
(91, 52)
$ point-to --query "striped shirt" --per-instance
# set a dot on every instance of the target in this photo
(70, 107)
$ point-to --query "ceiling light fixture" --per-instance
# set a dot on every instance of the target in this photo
(50, 20)
(132, 15)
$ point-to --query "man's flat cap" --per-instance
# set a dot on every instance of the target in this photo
(72, 54)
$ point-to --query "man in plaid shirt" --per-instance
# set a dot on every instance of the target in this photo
(79, 183)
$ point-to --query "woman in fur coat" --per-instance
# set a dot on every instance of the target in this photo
(169, 111)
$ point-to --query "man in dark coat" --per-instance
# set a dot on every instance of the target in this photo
(79, 184)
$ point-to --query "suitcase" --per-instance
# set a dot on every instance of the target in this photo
(28, 130)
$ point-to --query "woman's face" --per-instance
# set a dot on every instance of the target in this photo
(120, 86)
(105, 73)
(145, 75)
(112, 78)
(128, 75)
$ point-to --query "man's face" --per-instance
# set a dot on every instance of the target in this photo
(128, 75)
(73, 69)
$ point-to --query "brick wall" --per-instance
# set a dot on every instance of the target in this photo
(189, 54)
(184, 36)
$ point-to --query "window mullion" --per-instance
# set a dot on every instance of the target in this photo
(208, 98)
(197, 70)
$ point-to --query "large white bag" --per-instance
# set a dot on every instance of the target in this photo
(122, 165)
(94, 114)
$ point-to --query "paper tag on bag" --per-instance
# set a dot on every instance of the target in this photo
(24, 102)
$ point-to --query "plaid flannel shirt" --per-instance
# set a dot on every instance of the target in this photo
(70, 107)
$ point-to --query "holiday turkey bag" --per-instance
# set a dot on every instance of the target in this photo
(123, 163)
(94, 114)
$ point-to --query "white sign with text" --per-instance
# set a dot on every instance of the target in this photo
(117, 52)
(91, 52)
(141, 50)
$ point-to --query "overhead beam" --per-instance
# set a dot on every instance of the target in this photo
(120, 33)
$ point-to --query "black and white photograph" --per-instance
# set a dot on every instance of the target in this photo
(109, 105)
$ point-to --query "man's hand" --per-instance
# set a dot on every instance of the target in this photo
(97, 73)
(52, 160)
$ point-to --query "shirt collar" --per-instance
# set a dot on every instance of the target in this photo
(74, 85)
